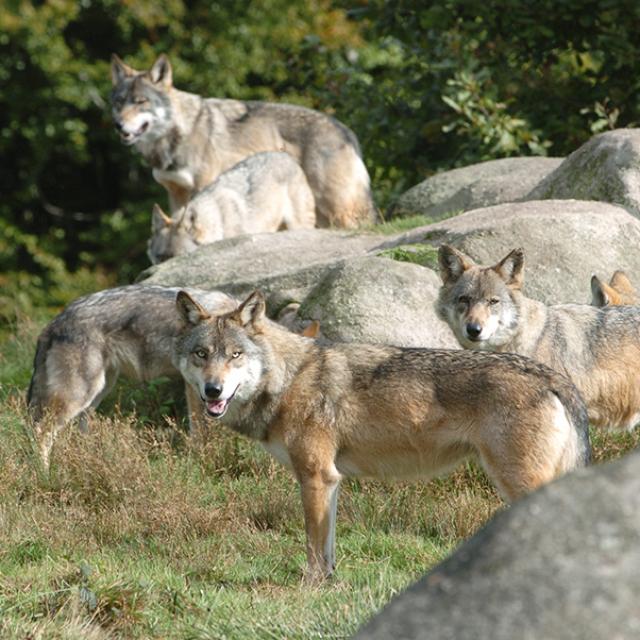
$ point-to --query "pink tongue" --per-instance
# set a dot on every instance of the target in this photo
(217, 406)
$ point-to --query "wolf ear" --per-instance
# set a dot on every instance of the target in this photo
(190, 311)
(621, 283)
(453, 263)
(252, 310)
(511, 268)
(160, 72)
(159, 219)
(119, 70)
(599, 292)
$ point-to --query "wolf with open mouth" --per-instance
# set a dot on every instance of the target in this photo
(327, 411)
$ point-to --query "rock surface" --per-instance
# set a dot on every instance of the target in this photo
(562, 563)
(375, 299)
(606, 168)
(565, 242)
(287, 262)
(478, 185)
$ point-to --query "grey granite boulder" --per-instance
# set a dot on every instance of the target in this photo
(565, 242)
(561, 564)
(478, 185)
(375, 299)
(286, 264)
(606, 168)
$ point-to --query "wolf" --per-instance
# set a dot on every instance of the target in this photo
(81, 353)
(189, 140)
(619, 291)
(124, 331)
(332, 410)
(265, 192)
(598, 349)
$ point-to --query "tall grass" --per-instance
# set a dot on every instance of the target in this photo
(135, 534)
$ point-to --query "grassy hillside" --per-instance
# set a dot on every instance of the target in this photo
(136, 535)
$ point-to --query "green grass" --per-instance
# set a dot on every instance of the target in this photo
(135, 534)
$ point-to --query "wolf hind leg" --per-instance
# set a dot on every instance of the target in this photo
(61, 402)
(530, 449)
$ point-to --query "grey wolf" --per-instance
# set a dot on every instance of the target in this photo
(265, 192)
(619, 291)
(598, 349)
(124, 331)
(189, 140)
(81, 353)
(346, 409)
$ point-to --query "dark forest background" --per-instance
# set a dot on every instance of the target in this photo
(425, 86)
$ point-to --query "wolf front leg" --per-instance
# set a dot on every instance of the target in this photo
(197, 416)
(320, 504)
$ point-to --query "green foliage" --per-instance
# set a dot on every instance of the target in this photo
(425, 86)
(423, 254)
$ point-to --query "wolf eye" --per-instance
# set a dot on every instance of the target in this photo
(236, 354)
(140, 101)
(200, 353)
(493, 301)
(463, 300)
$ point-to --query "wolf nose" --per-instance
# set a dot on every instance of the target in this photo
(212, 390)
(473, 329)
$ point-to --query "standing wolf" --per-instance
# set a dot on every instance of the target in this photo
(380, 411)
(190, 140)
(81, 353)
(598, 349)
(265, 192)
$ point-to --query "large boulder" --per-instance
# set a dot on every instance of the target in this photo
(286, 264)
(563, 563)
(478, 185)
(379, 300)
(565, 242)
(606, 168)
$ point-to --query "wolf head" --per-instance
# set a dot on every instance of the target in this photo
(219, 355)
(171, 236)
(619, 291)
(480, 303)
(140, 100)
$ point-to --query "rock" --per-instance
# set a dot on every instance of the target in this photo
(606, 168)
(378, 300)
(286, 264)
(565, 242)
(478, 185)
(562, 563)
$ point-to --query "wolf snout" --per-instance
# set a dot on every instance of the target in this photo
(212, 390)
(473, 329)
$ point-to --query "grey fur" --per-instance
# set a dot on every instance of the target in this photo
(265, 192)
(81, 353)
(190, 140)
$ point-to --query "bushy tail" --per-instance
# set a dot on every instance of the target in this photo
(576, 410)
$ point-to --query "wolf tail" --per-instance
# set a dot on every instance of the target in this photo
(576, 411)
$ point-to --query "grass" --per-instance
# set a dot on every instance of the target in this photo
(134, 534)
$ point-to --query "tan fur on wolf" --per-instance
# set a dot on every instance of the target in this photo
(598, 349)
(190, 140)
(619, 291)
(377, 411)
